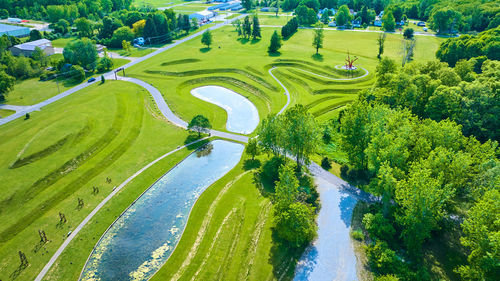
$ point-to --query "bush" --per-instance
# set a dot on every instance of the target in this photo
(77, 73)
(270, 170)
(382, 260)
(358, 235)
(325, 163)
(378, 226)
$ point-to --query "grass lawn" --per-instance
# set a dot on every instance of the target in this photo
(6, 112)
(273, 20)
(32, 91)
(60, 153)
(242, 65)
(134, 52)
(62, 42)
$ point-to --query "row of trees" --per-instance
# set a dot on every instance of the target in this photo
(69, 10)
(290, 27)
(248, 28)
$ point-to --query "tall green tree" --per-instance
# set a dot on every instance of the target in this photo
(253, 148)
(271, 134)
(355, 130)
(380, 43)
(84, 27)
(287, 188)
(247, 4)
(275, 43)
(81, 52)
(343, 16)
(247, 27)
(302, 134)
(318, 37)
(206, 38)
(388, 22)
(421, 201)
(199, 124)
(296, 225)
(6, 84)
(255, 28)
(481, 236)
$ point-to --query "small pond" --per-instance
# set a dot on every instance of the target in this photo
(145, 235)
(242, 115)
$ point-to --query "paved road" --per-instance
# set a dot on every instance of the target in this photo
(109, 75)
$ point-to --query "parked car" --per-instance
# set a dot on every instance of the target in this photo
(425, 29)
(91, 80)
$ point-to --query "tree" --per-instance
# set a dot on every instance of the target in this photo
(302, 134)
(6, 84)
(481, 232)
(247, 27)
(39, 56)
(200, 124)
(77, 73)
(275, 43)
(290, 27)
(408, 50)
(271, 134)
(255, 28)
(325, 19)
(318, 37)
(381, 42)
(126, 45)
(444, 19)
(356, 134)
(306, 15)
(82, 52)
(287, 188)
(104, 63)
(388, 22)
(343, 16)
(206, 38)
(408, 33)
(84, 27)
(238, 27)
(253, 148)
(247, 4)
(123, 33)
(62, 26)
(35, 34)
(186, 24)
(138, 27)
(421, 201)
(103, 80)
(150, 27)
(364, 15)
(194, 23)
(296, 225)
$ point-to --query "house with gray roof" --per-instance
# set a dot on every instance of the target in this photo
(27, 49)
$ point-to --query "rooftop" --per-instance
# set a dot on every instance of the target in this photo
(33, 44)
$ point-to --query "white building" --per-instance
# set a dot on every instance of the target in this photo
(27, 49)
(202, 15)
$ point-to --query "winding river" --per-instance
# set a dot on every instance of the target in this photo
(144, 236)
(242, 115)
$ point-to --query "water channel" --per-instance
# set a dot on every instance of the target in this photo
(145, 235)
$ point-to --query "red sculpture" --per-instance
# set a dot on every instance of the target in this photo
(350, 62)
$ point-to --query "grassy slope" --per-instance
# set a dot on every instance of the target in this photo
(167, 71)
(85, 120)
(32, 91)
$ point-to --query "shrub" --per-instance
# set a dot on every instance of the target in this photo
(358, 235)
(325, 163)
(378, 226)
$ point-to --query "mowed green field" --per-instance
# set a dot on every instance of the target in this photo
(60, 153)
(32, 91)
(242, 65)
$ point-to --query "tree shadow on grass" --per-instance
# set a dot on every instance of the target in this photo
(250, 164)
(317, 57)
(255, 41)
(18, 271)
(283, 257)
(205, 49)
(243, 40)
(194, 137)
(274, 54)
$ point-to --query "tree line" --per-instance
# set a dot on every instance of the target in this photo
(429, 175)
